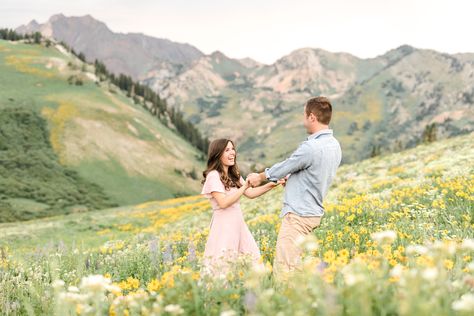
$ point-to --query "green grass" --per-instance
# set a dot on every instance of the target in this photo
(111, 176)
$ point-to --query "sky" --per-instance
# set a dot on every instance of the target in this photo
(266, 30)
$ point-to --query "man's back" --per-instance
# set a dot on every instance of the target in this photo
(306, 188)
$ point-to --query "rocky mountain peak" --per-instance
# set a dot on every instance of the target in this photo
(56, 17)
(133, 54)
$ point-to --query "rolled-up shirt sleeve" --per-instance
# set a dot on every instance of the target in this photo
(300, 159)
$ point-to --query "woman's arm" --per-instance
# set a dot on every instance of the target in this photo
(224, 201)
(252, 193)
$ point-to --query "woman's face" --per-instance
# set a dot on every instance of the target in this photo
(228, 157)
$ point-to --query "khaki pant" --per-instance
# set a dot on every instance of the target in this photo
(288, 251)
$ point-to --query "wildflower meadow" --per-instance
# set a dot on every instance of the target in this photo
(397, 239)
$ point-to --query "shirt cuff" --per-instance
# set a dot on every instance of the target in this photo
(268, 176)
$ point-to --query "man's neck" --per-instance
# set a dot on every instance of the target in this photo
(318, 129)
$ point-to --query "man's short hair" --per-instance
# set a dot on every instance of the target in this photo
(321, 108)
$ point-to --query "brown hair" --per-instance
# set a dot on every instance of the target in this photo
(321, 108)
(216, 149)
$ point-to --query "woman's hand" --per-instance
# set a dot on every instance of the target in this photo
(272, 184)
(284, 180)
(247, 184)
(275, 184)
(253, 192)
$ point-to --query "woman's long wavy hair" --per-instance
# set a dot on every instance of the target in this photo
(216, 150)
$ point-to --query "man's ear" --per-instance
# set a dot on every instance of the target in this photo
(312, 117)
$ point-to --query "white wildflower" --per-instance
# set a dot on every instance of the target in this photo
(448, 247)
(156, 308)
(416, 250)
(351, 277)
(95, 283)
(73, 289)
(311, 243)
(465, 303)
(397, 271)
(430, 274)
(470, 266)
(458, 284)
(58, 284)
(468, 244)
(384, 237)
(114, 289)
(73, 297)
(174, 309)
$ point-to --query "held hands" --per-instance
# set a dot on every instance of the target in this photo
(254, 179)
(281, 181)
(247, 184)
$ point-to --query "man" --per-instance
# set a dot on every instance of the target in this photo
(309, 170)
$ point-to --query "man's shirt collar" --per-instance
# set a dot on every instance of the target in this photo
(321, 132)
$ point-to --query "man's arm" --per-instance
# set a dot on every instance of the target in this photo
(299, 160)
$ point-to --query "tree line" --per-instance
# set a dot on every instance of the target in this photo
(151, 100)
(154, 104)
(11, 35)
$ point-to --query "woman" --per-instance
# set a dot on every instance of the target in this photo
(229, 236)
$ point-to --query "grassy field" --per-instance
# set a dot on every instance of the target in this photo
(94, 129)
(397, 239)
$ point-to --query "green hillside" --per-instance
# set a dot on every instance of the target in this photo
(102, 145)
(30, 173)
(421, 200)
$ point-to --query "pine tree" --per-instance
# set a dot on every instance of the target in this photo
(37, 37)
(429, 134)
(82, 57)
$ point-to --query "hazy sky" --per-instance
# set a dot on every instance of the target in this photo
(269, 29)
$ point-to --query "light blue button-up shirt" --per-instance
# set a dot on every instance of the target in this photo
(311, 167)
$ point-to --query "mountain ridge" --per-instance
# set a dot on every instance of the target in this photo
(117, 50)
(372, 97)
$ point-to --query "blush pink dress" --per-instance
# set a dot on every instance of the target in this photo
(229, 236)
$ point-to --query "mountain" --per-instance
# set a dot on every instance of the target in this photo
(97, 142)
(381, 104)
(132, 54)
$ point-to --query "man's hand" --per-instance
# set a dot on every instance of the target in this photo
(255, 179)
(275, 184)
